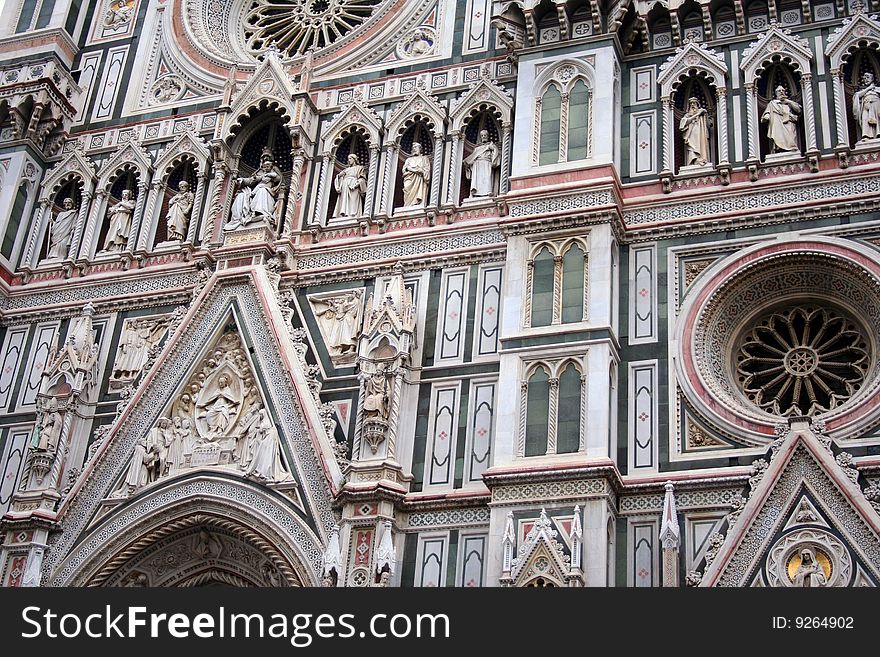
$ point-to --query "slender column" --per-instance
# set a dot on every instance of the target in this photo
(320, 216)
(394, 417)
(138, 219)
(839, 107)
(216, 209)
(150, 219)
(294, 193)
(437, 171)
(523, 404)
(61, 448)
(372, 173)
(809, 112)
(752, 120)
(98, 208)
(563, 128)
(536, 133)
(557, 290)
(196, 213)
(667, 134)
(582, 429)
(31, 254)
(721, 105)
(82, 216)
(506, 148)
(552, 420)
(455, 164)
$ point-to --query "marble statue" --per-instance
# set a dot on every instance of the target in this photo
(480, 165)
(207, 546)
(866, 108)
(179, 211)
(120, 222)
(118, 15)
(781, 117)
(175, 442)
(416, 177)
(810, 572)
(158, 441)
(61, 230)
(51, 424)
(339, 317)
(259, 196)
(141, 467)
(138, 336)
(376, 393)
(263, 461)
(218, 405)
(351, 183)
(694, 126)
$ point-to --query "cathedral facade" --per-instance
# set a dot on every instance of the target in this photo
(459, 293)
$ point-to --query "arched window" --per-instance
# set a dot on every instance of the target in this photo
(692, 26)
(18, 208)
(537, 412)
(551, 112)
(573, 285)
(579, 122)
(542, 288)
(568, 424)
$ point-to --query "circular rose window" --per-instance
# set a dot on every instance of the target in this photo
(802, 361)
(295, 26)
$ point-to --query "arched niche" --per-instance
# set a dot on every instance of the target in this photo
(659, 25)
(124, 188)
(702, 90)
(357, 129)
(857, 67)
(353, 143)
(773, 76)
(690, 18)
(186, 171)
(482, 119)
(64, 204)
(265, 136)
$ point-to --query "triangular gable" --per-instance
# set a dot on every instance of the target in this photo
(694, 56)
(860, 28)
(250, 296)
(541, 545)
(776, 42)
(355, 114)
(186, 144)
(419, 104)
(801, 464)
(484, 92)
(131, 153)
(75, 163)
(269, 83)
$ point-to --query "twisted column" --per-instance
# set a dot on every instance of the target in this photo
(752, 120)
(839, 107)
(668, 117)
(809, 112)
(436, 171)
(721, 96)
(138, 218)
(372, 172)
(321, 197)
(31, 254)
(455, 163)
(151, 220)
(506, 147)
(201, 188)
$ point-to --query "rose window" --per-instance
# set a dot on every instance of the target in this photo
(802, 361)
(294, 26)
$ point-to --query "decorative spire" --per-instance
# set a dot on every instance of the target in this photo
(670, 534)
(507, 543)
(577, 538)
(385, 552)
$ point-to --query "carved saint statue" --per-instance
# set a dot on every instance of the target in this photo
(480, 165)
(120, 222)
(810, 572)
(50, 427)
(339, 319)
(258, 198)
(158, 441)
(694, 126)
(264, 459)
(416, 176)
(376, 393)
(781, 117)
(218, 405)
(175, 440)
(351, 183)
(179, 210)
(61, 230)
(141, 467)
(866, 108)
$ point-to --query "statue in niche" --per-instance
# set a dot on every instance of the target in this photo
(179, 210)
(51, 424)
(258, 198)
(138, 336)
(866, 108)
(120, 222)
(340, 320)
(61, 230)
(416, 177)
(480, 165)
(217, 406)
(781, 117)
(809, 572)
(694, 126)
(351, 183)
(263, 455)
(376, 393)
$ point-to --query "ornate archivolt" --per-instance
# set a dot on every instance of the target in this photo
(778, 45)
(694, 59)
(783, 329)
(857, 32)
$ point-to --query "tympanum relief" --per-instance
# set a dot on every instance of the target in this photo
(217, 420)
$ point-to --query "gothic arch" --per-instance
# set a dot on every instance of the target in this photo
(130, 533)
